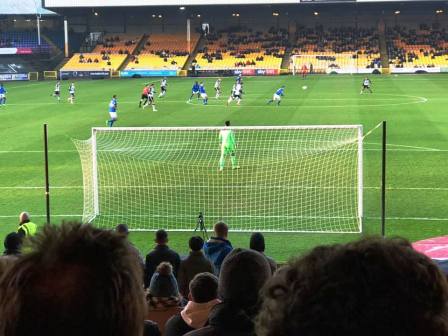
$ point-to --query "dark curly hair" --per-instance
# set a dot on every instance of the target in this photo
(373, 286)
(77, 280)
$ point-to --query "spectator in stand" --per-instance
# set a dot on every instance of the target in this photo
(217, 247)
(26, 227)
(257, 244)
(243, 274)
(163, 283)
(123, 231)
(195, 263)
(151, 328)
(163, 289)
(373, 286)
(160, 253)
(6, 263)
(77, 280)
(202, 298)
(13, 244)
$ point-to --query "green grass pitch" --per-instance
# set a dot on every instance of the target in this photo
(415, 107)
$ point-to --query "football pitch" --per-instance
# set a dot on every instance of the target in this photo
(415, 107)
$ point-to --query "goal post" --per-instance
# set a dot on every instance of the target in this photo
(52, 75)
(290, 178)
(324, 63)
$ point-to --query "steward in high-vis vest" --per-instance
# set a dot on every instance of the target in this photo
(26, 227)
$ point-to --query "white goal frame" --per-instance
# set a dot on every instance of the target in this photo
(95, 177)
(350, 70)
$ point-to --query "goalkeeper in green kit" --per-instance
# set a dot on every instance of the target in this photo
(228, 146)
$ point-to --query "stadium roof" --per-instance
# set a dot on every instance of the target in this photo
(23, 7)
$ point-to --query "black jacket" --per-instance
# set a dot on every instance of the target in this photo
(228, 320)
(176, 326)
(154, 258)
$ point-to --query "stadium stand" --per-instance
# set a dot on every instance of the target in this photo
(417, 48)
(243, 48)
(57, 37)
(344, 48)
(94, 61)
(117, 44)
(109, 54)
(163, 51)
(26, 41)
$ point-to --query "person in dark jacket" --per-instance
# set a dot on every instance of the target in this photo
(203, 297)
(218, 246)
(160, 253)
(243, 274)
(257, 244)
(13, 244)
(195, 263)
(123, 230)
(151, 328)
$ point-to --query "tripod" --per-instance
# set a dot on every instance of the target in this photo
(200, 226)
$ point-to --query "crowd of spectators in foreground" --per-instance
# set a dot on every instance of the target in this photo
(75, 279)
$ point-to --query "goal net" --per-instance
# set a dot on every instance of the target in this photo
(324, 63)
(291, 178)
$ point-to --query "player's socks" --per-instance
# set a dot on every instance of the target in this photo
(234, 162)
(154, 108)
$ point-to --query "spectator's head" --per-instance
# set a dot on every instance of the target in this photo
(373, 286)
(122, 230)
(203, 288)
(161, 237)
(227, 123)
(24, 217)
(13, 243)
(243, 274)
(77, 280)
(221, 230)
(196, 243)
(257, 242)
(164, 268)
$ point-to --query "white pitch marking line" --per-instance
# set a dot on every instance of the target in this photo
(405, 146)
(227, 186)
(408, 149)
(375, 218)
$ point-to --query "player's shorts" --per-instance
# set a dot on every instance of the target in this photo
(57, 93)
(144, 96)
(151, 99)
(276, 97)
(364, 86)
(194, 92)
(2, 95)
(204, 96)
(72, 94)
(113, 115)
(163, 88)
(228, 150)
